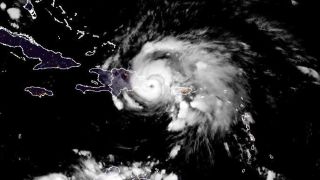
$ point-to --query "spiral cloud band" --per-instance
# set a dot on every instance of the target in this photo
(195, 83)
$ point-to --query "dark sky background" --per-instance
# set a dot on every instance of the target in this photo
(37, 135)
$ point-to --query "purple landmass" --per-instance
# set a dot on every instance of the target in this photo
(113, 81)
(48, 58)
(29, 7)
(38, 91)
(120, 80)
(104, 78)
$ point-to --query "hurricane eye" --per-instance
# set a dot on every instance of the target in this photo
(160, 55)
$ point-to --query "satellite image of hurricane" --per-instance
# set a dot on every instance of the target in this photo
(159, 90)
